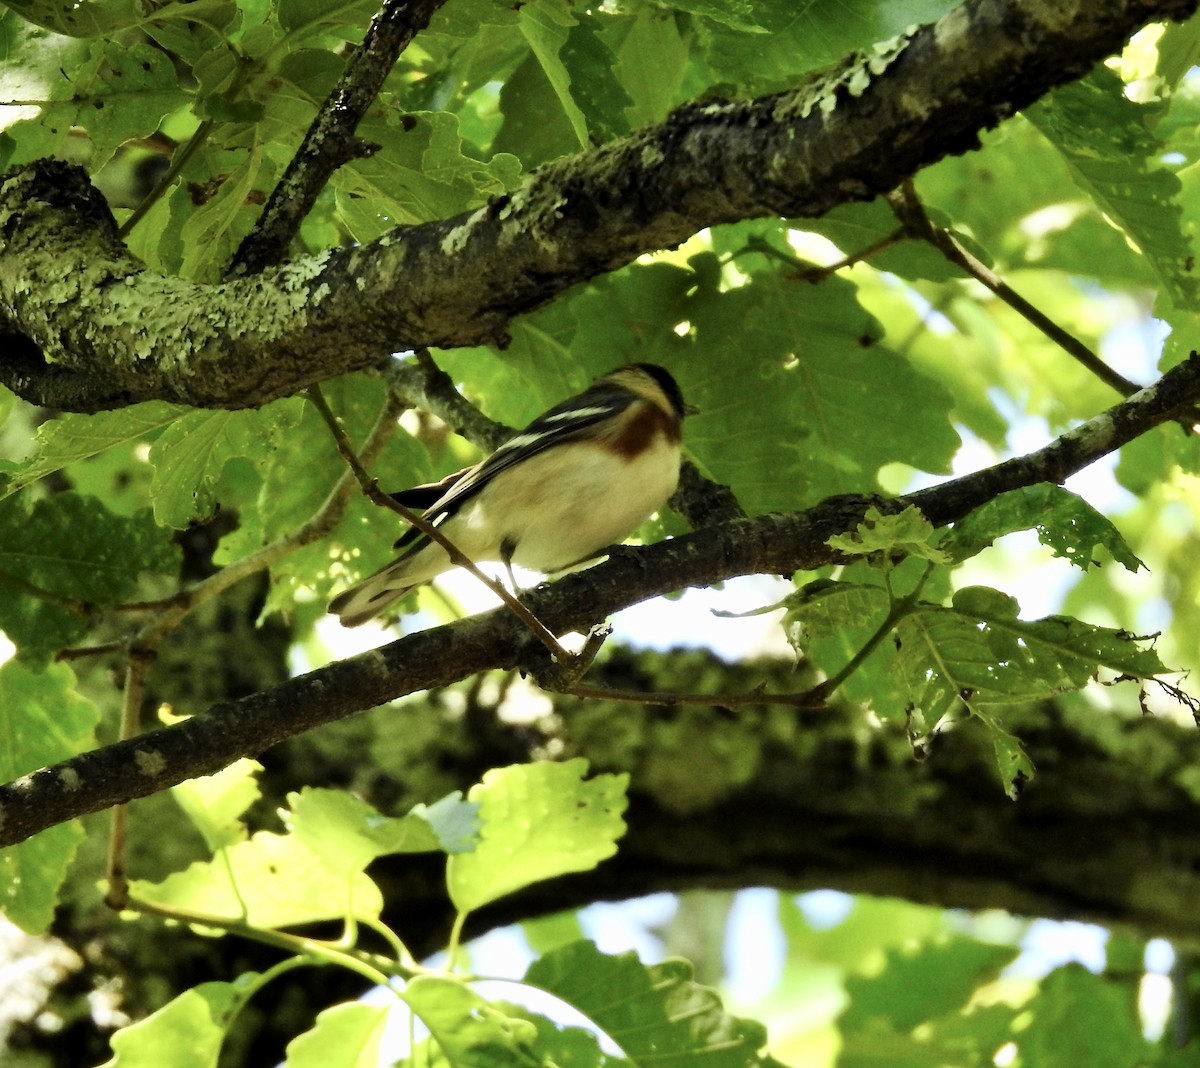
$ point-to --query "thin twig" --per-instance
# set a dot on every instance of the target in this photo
(180, 161)
(814, 698)
(808, 272)
(457, 557)
(83, 651)
(427, 386)
(71, 604)
(911, 212)
(136, 670)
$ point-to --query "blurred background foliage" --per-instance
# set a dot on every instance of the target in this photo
(896, 370)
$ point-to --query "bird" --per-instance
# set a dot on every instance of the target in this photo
(577, 480)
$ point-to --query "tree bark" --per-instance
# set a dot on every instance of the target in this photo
(770, 544)
(97, 330)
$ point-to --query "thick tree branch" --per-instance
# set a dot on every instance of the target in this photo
(70, 287)
(771, 544)
(1104, 833)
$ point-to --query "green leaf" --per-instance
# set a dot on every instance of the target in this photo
(787, 382)
(914, 1012)
(908, 533)
(305, 20)
(190, 455)
(472, 1032)
(187, 1030)
(600, 97)
(213, 230)
(655, 1014)
(980, 649)
(65, 553)
(1114, 156)
(215, 802)
(68, 544)
(1013, 764)
(114, 92)
(979, 653)
(539, 821)
(823, 608)
(1064, 522)
(71, 438)
(348, 833)
(77, 18)
(652, 60)
(559, 1045)
(535, 128)
(546, 26)
(787, 38)
(453, 820)
(269, 880)
(856, 227)
(1081, 1018)
(426, 172)
(920, 983)
(345, 1036)
(43, 720)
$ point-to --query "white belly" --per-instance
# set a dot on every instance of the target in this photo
(558, 519)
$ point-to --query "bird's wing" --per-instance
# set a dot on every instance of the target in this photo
(557, 426)
(422, 498)
(560, 424)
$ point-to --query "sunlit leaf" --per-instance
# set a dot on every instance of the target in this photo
(538, 821)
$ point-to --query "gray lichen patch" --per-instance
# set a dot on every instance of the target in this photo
(150, 762)
(852, 76)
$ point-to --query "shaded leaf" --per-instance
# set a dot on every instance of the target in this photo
(43, 720)
(1063, 521)
(655, 1014)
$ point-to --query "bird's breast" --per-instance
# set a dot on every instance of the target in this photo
(565, 504)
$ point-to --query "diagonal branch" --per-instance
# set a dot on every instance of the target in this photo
(771, 544)
(846, 135)
(911, 212)
(330, 142)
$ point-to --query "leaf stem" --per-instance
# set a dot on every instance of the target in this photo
(900, 607)
(378, 970)
(454, 943)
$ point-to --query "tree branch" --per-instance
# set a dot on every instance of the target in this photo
(113, 332)
(851, 809)
(771, 544)
(330, 142)
(911, 212)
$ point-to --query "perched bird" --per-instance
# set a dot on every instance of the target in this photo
(579, 478)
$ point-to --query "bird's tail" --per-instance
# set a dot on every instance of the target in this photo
(374, 594)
